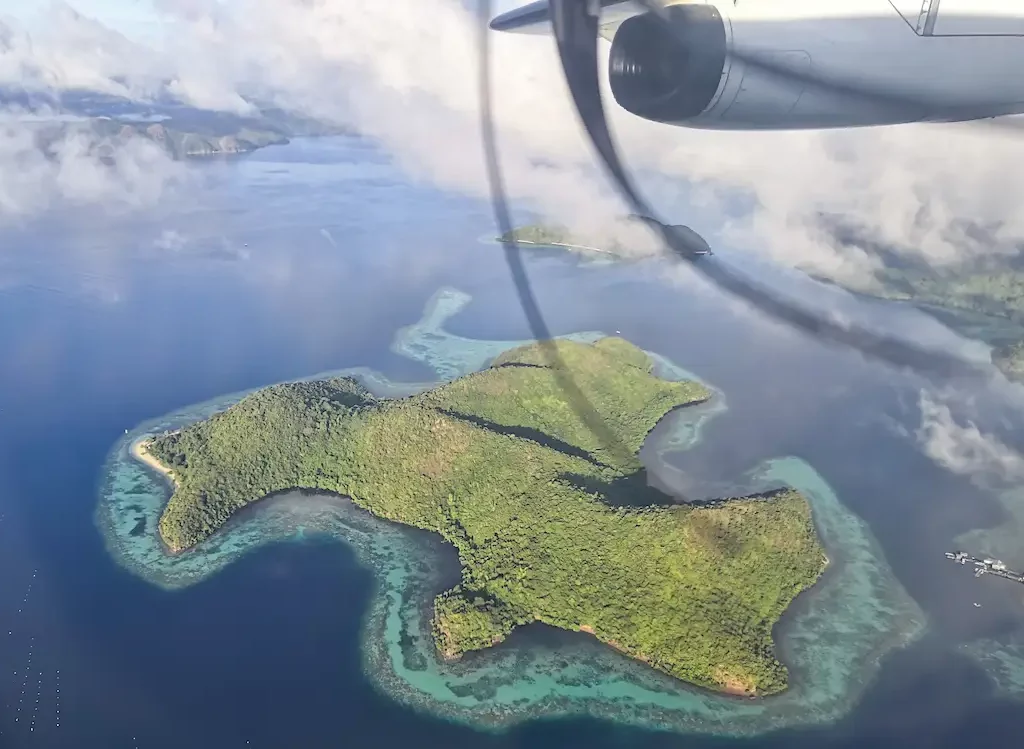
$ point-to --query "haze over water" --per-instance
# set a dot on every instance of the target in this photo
(309, 258)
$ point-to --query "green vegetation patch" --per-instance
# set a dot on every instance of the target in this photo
(1010, 360)
(996, 293)
(986, 304)
(540, 234)
(547, 524)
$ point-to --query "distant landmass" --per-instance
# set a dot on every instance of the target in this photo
(979, 295)
(106, 122)
(105, 134)
(184, 144)
(552, 522)
(985, 303)
(554, 235)
(980, 299)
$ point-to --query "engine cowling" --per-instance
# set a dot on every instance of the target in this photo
(687, 75)
(966, 67)
(669, 75)
(683, 74)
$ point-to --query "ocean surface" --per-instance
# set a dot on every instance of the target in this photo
(322, 256)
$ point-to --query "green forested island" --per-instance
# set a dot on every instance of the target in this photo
(555, 234)
(105, 135)
(538, 233)
(551, 524)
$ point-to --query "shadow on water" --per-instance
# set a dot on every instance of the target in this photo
(634, 490)
(645, 489)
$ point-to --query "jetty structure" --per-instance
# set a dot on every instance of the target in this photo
(985, 566)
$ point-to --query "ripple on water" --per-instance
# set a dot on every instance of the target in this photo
(832, 638)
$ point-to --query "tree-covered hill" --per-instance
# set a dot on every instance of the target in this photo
(496, 462)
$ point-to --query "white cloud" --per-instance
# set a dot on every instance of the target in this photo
(43, 168)
(378, 62)
(78, 168)
(71, 51)
(171, 240)
(406, 73)
(963, 448)
(326, 234)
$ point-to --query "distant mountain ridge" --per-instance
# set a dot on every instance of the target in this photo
(104, 136)
(107, 122)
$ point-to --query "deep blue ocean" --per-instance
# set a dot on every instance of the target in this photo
(307, 258)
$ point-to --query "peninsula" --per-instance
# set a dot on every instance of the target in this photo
(103, 136)
(982, 303)
(978, 293)
(550, 518)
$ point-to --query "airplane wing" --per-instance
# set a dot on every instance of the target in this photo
(535, 18)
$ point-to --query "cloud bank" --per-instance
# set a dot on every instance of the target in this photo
(963, 448)
(40, 171)
(405, 73)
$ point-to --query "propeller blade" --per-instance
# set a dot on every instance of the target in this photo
(577, 399)
(576, 33)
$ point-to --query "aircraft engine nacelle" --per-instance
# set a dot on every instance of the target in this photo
(686, 75)
(669, 77)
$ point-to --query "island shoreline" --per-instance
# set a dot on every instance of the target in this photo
(677, 707)
(139, 451)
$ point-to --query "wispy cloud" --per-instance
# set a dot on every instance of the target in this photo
(66, 50)
(40, 172)
(170, 240)
(326, 234)
(963, 448)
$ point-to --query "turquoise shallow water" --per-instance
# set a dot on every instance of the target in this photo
(832, 638)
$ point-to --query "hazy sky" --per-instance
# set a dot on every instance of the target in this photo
(133, 17)
(136, 18)
(404, 72)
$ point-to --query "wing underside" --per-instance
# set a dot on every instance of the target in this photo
(535, 18)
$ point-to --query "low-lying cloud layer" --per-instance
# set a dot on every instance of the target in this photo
(406, 74)
(964, 449)
(41, 173)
